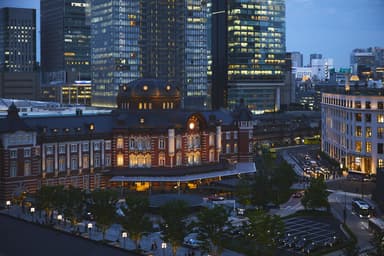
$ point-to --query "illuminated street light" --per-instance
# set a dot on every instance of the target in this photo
(164, 247)
(59, 218)
(32, 210)
(8, 204)
(89, 229)
(124, 236)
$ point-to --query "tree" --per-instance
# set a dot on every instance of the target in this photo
(316, 196)
(378, 243)
(211, 224)
(263, 229)
(103, 208)
(244, 191)
(173, 214)
(47, 199)
(135, 221)
(74, 203)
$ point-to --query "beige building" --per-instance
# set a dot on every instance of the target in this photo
(353, 128)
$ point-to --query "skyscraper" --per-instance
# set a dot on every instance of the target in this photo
(255, 44)
(17, 40)
(116, 54)
(65, 41)
(314, 56)
(157, 39)
(297, 59)
(18, 78)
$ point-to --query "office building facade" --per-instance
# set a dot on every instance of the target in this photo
(19, 78)
(65, 42)
(353, 128)
(255, 53)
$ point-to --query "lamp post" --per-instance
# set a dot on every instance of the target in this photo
(345, 208)
(59, 218)
(8, 204)
(32, 210)
(164, 247)
(89, 229)
(124, 236)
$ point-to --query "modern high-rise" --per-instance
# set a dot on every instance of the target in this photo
(116, 54)
(314, 56)
(65, 41)
(17, 40)
(255, 45)
(297, 59)
(18, 76)
(368, 63)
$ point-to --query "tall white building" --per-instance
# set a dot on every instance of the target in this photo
(353, 128)
(321, 68)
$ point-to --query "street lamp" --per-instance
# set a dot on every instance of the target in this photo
(164, 247)
(8, 204)
(124, 236)
(32, 210)
(89, 229)
(59, 218)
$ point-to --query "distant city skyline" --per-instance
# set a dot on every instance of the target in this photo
(330, 27)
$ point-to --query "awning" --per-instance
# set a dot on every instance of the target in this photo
(240, 168)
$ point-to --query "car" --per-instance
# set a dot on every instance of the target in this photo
(298, 194)
(191, 241)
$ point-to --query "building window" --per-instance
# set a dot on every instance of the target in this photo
(235, 135)
(96, 161)
(227, 148)
(211, 139)
(161, 160)
(368, 147)
(96, 146)
(380, 118)
(368, 118)
(27, 168)
(358, 146)
(211, 155)
(27, 152)
(132, 143)
(358, 117)
(178, 159)
(161, 143)
(49, 165)
(108, 145)
(380, 105)
(178, 142)
(85, 161)
(368, 105)
(368, 132)
(49, 150)
(85, 147)
(228, 135)
(62, 164)
(61, 149)
(37, 151)
(380, 163)
(73, 148)
(120, 142)
(357, 104)
(250, 134)
(13, 169)
(107, 160)
(250, 147)
(358, 131)
(74, 163)
(380, 132)
(235, 149)
(120, 159)
(380, 148)
(13, 154)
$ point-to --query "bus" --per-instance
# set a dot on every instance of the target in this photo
(361, 208)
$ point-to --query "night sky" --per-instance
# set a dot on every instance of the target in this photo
(330, 27)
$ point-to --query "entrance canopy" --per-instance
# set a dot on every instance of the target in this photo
(239, 168)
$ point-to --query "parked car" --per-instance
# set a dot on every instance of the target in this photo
(192, 241)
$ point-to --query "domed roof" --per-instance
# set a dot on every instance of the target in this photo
(149, 88)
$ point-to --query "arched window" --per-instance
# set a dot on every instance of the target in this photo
(120, 159)
(161, 160)
(140, 161)
(148, 160)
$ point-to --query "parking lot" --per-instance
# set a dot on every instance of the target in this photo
(304, 236)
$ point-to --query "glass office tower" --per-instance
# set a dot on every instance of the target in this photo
(256, 53)
(65, 41)
(115, 48)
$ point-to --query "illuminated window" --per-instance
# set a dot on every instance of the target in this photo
(368, 132)
(358, 146)
(235, 149)
(178, 159)
(380, 163)
(161, 160)
(380, 118)
(62, 164)
(368, 147)
(49, 165)
(358, 131)
(380, 132)
(211, 139)
(85, 161)
(228, 149)
(120, 159)
(380, 105)
(367, 104)
(120, 143)
(358, 117)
